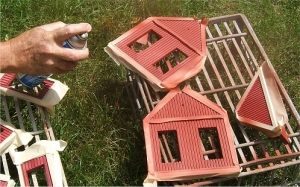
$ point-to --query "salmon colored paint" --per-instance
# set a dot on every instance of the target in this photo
(164, 50)
(189, 117)
(33, 165)
(261, 107)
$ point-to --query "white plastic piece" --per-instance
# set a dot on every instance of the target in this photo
(53, 96)
(17, 138)
(41, 148)
(6, 179)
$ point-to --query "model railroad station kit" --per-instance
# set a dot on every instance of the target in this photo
(214, 111)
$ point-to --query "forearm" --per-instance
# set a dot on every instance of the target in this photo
(7, 58)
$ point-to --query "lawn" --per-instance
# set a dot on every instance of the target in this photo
(105, 137)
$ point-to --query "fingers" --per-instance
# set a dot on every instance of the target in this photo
(52, 26)
(67, 31)
(71, 54)
(58, 71)
(66, 65)
(65, 59)
(62, 66)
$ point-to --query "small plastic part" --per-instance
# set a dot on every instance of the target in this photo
(5, 181)
(7, 137)
(42, 154)
(10, 136)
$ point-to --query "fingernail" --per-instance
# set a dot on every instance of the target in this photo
(89, 27)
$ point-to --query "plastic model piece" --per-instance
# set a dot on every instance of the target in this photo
(164, 50)
(7, 137)
(40, 155)
(35, 119)
(269, 115)
(10, 135)
(234, 54)
(51, 93)
(5, 181)
(198, 129)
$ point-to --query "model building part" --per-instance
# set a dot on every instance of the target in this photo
(261, 106)
(234, 54)
(164, 50)
(42, 154)
(10, 136)
(196, 134)
(24, 115)
(49, 95)
(5, 181)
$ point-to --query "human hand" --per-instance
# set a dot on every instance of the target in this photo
(39, 51)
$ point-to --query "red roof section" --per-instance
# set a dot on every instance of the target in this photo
(256, 98)
(261, 106)
(186, 30)
(184, 105)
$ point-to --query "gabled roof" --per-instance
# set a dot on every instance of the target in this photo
(185, 104)
(7, 136)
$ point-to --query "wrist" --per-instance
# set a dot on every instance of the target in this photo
(7, 58)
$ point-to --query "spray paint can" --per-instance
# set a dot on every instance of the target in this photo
(75, 42)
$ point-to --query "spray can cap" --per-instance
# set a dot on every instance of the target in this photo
(83, 36)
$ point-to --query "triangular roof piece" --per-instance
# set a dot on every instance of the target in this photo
(9, 134)
(188, 107)
(178, 143)
(261, 106)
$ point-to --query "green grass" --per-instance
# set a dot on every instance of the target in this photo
(105, 137)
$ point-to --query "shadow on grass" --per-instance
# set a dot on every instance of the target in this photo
(124, 139)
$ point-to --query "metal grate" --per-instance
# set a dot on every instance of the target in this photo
(234, 54)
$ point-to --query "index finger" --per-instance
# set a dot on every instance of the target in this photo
(52, 26)
(63, 33)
